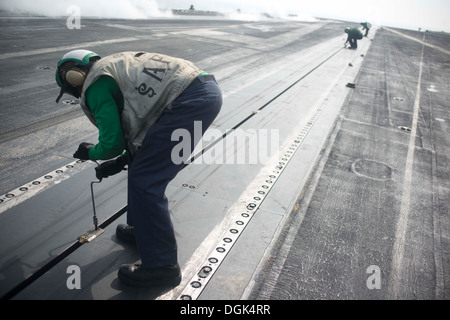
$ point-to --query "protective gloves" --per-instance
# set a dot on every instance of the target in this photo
(111, 167)
(83, 151)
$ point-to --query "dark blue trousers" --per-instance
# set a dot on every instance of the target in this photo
(152, 169)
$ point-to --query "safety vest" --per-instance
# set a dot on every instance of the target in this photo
(149, 83)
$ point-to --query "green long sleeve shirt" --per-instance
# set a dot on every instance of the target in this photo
(105, 100)
(354, 33)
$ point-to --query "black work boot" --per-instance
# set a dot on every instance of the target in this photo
(138, 276)
(125, 233)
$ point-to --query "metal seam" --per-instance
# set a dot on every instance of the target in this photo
(243, 216)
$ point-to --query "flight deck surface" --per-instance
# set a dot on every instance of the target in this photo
(353, 205)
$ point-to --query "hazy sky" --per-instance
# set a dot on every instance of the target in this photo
(428, 14)
(410, 14)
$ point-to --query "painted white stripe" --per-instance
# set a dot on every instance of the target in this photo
(419, 41)
(402, 223)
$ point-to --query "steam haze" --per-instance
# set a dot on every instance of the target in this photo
(141, 9)
(408, 14)
(126, 9)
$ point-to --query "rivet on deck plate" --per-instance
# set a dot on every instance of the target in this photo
(251, 206)
(204, 272)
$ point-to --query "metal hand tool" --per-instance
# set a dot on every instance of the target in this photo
(95, 231)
